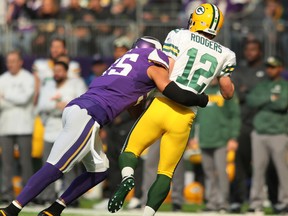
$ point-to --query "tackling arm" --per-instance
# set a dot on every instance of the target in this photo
(171, 90)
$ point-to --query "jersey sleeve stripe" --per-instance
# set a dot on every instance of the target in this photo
(171, 48)
(228, 69)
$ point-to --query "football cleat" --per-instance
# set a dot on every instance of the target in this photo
(147, 42)
(117, 200)
(47, 213)
(206, 18)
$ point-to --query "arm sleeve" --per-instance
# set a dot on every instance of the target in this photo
(184, 97)
(229, 65)
(171, 44)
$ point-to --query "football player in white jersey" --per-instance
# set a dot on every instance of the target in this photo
(195, 60)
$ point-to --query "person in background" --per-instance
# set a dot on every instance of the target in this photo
(20, 15)
(246, 76)
(218, 129)
(269, 137)
(74, 12)
(43, 68)
(97, 68)
(16, 121)
(54, 96)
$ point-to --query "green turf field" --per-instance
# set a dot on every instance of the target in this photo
(165, 210)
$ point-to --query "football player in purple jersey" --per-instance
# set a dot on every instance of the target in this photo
(123, 84)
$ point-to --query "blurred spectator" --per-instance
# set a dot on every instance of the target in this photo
(160, 33)
(74, 12)
(49, 10)
(121, 46)
(273, 25)
(83, 40)
(97, 68)
(155, 9)
(47, 13)
(269, 137)
(16, 121)
(98, 11)
(42, 68)
(54, 96)
(20, 17)
(73, 73)
(81, 17)
(219, 128)
(245, 77)
(105, 33)
(125, 9)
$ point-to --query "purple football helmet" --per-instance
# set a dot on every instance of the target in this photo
(147, 42)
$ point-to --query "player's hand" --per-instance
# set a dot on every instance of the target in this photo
(203, 100)
(232, 145)
(61, 105)
(274, 97)
(193, 144)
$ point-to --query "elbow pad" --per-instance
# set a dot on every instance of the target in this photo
(184, 97)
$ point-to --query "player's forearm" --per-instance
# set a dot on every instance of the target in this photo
(227, 91)
(226, 87)
(184, 97)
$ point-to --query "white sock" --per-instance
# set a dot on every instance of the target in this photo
(16, 204)
(61, 202)
(148, 211)
(127, 171)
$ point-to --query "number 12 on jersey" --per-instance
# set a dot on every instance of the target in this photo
(195, 82)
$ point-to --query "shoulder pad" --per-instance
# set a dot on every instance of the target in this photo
(159, 57)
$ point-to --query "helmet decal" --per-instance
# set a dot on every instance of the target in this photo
(200, 10)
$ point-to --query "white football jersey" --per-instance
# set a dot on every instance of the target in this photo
(198, 60)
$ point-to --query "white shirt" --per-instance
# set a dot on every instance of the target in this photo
(16, 103)
(44, 69)
(50, 95)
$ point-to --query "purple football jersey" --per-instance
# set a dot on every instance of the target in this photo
(121, 85)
